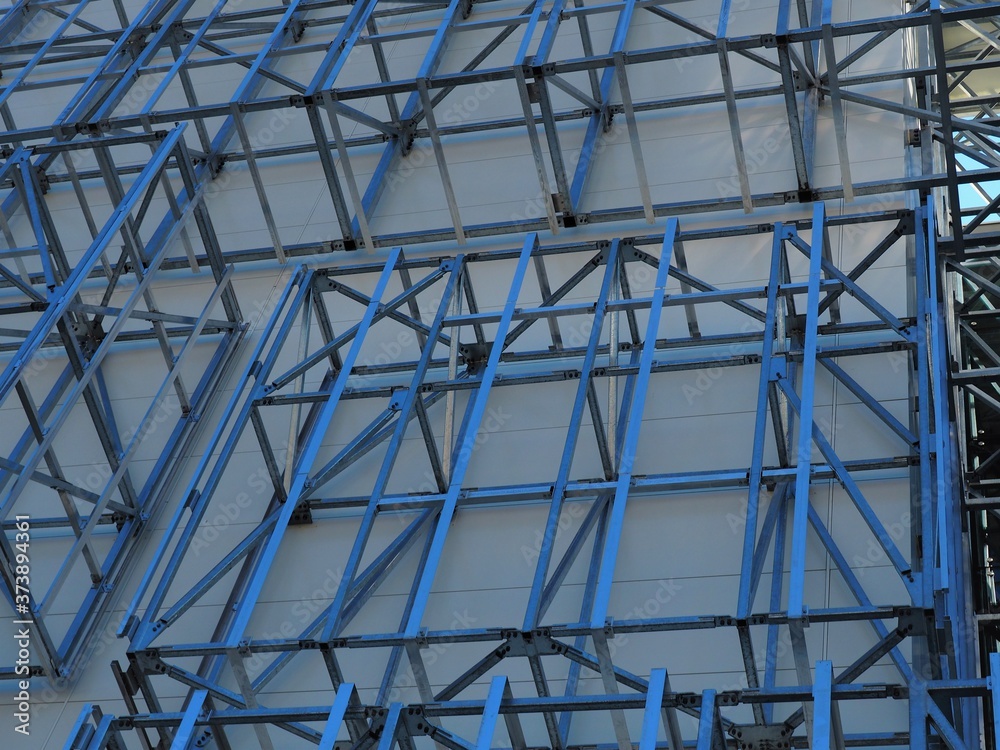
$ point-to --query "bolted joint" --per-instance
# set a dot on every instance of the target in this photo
(148, 662)
(914, 622)
(302, 515)
(405, 136)
(215, 165)
(762, 737)
(43, 179)
(179, 33)
(296, 28)
(119, 519)
(302, 100)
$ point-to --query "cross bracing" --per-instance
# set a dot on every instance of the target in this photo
(314, 84)
(968, 288)
(827, 122)
(478, 329)
(98, 297)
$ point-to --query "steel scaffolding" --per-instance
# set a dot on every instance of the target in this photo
(143, 76)
(786, 329)
(128, 118)
(62, 333)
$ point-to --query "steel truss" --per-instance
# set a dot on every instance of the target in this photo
(558, 92)
(807, 319)
(317, 358)
(69, 311)
(970, 295)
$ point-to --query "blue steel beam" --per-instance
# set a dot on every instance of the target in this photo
(185, 732)
(532, 613)
(707, 733)
(994, 685)
(467, 438)
(84, 378)
(909, 578)
(491, 712)
(344, 695)
(646, 359)
(924, 531)
(801, 500)
(651, 713)
(954, 560)
(745, 602)
(269, 550)
(600, 120)
(631, 436)
(412, 395)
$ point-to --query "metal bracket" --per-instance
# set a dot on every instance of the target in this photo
(43, 179)
(398, 398)
(297, 29)
(762, 737)
(148, 662)
(302, 515)
(475, 355)
(913, 622)
(795, 325)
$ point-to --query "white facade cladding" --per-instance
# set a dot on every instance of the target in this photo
(498, 374)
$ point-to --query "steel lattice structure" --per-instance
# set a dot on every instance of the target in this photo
(542, 283)
(798, 328)
(61, 334)
(143, 77)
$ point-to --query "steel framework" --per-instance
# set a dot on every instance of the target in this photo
(902, 273)
(62, 335)
(561, 97)
(786, 330)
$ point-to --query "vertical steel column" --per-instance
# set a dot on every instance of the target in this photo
(630, 446)
(767, 375)
(533, 610)
(732, 110)
(803, 466)
(474, 416)
(405, 412)
(839, 115)
(307, 457)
